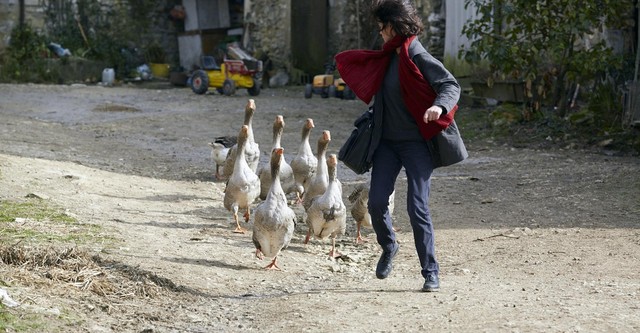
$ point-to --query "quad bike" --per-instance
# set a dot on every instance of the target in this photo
(229, 76)
(326, 85)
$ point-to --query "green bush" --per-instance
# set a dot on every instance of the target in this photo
(543, 43)
(93, 30)
(25, 57)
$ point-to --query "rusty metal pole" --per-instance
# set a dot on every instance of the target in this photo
(358, 20)
(635, 76)
(21, 17)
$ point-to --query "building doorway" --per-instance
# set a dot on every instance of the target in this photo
(309, 40)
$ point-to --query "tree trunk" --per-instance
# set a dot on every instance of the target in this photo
(560, 89)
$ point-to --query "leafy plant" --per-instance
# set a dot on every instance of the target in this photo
(24, 59)
(544, 43)
(154, 53)
(100, 31)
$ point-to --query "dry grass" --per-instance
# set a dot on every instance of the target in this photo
(80, 269)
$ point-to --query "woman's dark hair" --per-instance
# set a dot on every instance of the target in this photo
(400, 14)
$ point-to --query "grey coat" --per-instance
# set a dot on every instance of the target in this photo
(447, 147)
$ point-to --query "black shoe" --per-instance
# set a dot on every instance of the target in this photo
(431, 283)
(385, 263)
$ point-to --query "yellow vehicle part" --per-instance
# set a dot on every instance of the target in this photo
(320, 81)
(340, 84)
(217, 77)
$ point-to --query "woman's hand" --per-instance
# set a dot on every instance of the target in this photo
(432, 113)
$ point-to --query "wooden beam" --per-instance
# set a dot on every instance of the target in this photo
(635, 76)
(21, 17)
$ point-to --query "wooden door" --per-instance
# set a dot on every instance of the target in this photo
(309, 30)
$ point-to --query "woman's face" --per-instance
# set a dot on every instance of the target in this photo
(386, 31)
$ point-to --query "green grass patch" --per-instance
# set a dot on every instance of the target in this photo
(37, 210)
(24, 322)
(511, 124)
(38, 221)
(15, 234)
(477, 124)
(461, 68)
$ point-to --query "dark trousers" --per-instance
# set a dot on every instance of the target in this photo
(388, 160)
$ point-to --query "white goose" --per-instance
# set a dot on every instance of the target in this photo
(304, 164)
(327, 214)
(252, 149)
(243, 186)
(317, 184)
(286, 172)
(273, 219)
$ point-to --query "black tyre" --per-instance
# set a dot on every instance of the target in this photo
(332, 91)
(228, 87)
(324, 93)
(199, 82)
(347, 93)
(255, 90)
(308, 90)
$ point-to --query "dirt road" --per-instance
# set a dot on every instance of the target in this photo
(528, 240)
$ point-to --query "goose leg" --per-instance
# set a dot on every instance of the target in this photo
(239, 229)
(359, 239)
(334, 253)
(247, 215)
(306, 239)
(273, 264)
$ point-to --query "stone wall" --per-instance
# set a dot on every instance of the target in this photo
(162, 29)
(433, 38)
(10, 18)
(268, 27)
(268, 23)
(350, 26)
(165, 31)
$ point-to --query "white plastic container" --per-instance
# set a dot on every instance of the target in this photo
(108, 76)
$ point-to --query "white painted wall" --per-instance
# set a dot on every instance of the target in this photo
(457, 16)
(190, 47)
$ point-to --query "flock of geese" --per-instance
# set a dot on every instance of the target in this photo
(310, 180)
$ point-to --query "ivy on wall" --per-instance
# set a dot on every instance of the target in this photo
(23, 59)
(115, 33)
(101, 30)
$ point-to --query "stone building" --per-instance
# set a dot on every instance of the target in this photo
(12, 12)
(292, 36)
(303, 36)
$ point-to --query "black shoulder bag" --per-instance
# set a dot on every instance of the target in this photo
(354, 153)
